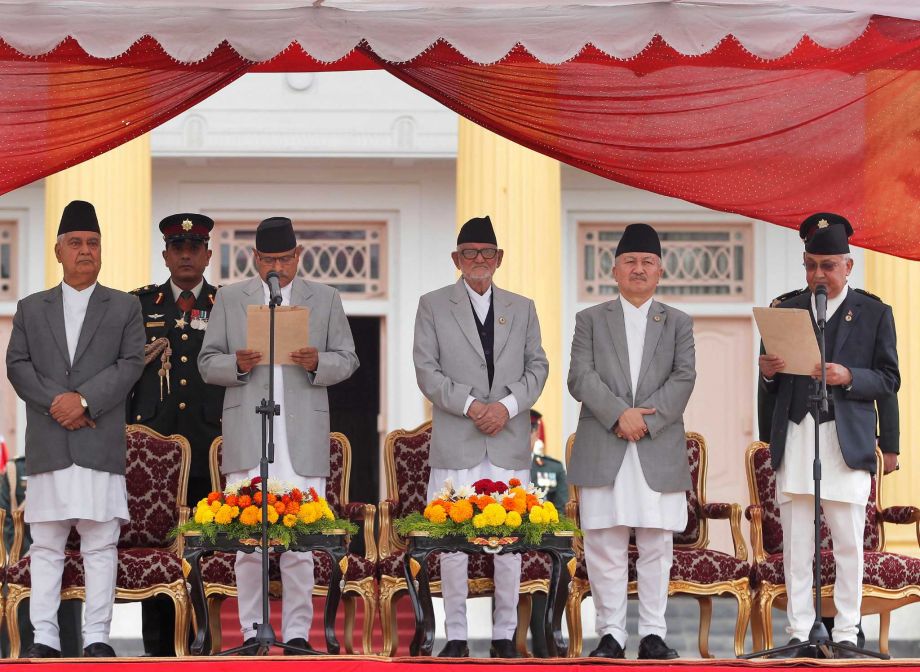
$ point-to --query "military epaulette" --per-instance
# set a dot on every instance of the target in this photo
(869, 294)
(146, 289)
(788, 295)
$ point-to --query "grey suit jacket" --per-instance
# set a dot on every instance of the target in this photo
(108, 361)
(599, 377)
(450, 366)
(306, 403)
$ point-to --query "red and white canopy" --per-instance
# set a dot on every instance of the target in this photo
(769, 109)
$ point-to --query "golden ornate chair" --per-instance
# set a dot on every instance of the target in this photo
(698, 571)
(890, 580)
(217, 570)
(406, 463)
(149, 558)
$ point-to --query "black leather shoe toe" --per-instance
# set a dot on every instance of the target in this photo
(608, 648)
(653, 647)
(455, 648)
(42, 651)
(99, 650)
(300, 643)
(502, 648)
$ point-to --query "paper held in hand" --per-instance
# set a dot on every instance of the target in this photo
(292, 331)
(789, 333)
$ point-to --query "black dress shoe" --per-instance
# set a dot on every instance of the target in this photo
(99, 650)
(250, 642)
(803, 651)
(300, 643)
(455, 648)
(652, 647)
(608, 648)
(42, 651)
(502, 648)
(847, 653)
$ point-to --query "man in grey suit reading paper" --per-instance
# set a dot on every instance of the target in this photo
(479, 360)
(302, 429)
(633, 369)
(75, 352)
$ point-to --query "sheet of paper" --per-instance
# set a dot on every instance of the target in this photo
(292, 331)
(788, 332)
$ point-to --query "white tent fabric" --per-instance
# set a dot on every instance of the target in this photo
(483, 30)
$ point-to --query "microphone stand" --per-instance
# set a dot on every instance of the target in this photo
(819, 640)
(268, 409)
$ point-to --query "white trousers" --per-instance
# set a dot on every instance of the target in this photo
(98, 548)
(606, 556)
(454, 589)
(846, 522)
(297, 598)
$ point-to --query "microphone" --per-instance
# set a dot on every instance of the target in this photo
(821, 305)
(274, 288)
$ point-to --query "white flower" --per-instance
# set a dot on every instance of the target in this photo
(465, 492)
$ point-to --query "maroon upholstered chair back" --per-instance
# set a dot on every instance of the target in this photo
(406, 458)
(336, 484)
(695, 532)
(156, 476)
(762, 486)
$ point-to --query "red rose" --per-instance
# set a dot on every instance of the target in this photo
(484, 486)
(499, 486)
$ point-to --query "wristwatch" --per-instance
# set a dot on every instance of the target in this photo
(83, 402)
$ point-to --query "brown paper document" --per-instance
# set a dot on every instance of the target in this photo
(788, 332)
(292, 331)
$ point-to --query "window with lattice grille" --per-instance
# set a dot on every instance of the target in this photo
(350, 256)
(701, 262)
(8, 271)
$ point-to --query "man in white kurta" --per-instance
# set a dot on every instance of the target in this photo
(862, 368)
(479, 360)
(74, 354)
(633, 370)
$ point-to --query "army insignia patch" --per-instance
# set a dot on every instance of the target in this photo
(186, 225)
(199, 320)
(154, 316)
(157, 301)
(180, 322)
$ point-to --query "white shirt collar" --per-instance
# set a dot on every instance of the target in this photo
(72, 295)
(481, 302)
(642, 310)
(285, 292)
(176, 291)
(832, 304)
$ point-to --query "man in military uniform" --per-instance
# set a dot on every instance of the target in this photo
(170, 396)
(545, 472)
(889, 434)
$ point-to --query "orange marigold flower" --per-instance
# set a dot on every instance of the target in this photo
(444, 504)
(280, 507)
(243, 501)
(482, 501)
(213, 496)
(297, 495)
(272, 498)
(257, 498)
(508, 503)
(532, 501)
(314, 495)
(250, 516)
(286, 498)
(232, 500)
(461, 511)
(292, 508)
(514, 482)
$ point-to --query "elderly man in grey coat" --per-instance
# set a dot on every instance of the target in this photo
(479, 360)
(75, 353)
(301, 431)
(633, 370)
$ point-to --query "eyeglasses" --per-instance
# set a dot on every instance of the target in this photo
(826, 266)
(271, 261)
(487, 253)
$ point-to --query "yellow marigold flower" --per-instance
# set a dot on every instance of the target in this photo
(479, 520)
(552, 515)
(495, 514)
(224, 515)
(290, 520)
(272, 515)
(215, 505)
(251, 515)
(537, 515)
(204, 515)
(513, 519)
(309, 512)
(461, 511)
(327, 512)
(437, 514)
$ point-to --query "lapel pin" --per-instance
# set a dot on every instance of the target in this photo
(849, 316)
(657, 318)
(501, 320)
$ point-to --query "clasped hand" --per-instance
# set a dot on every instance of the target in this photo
(489, 419)
(631, 424)
(308, 358)
(69, 413)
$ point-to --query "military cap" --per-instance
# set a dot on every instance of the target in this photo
(186, 226)
(821, 220)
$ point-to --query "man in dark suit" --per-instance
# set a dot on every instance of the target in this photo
(862, 368)
(173, 399)
(75, 352)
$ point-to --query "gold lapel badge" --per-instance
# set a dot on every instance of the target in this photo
(501, 320)
(849, 316)
(657, 318)
(186, 225)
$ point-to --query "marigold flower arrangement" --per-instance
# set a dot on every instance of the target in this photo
(488, 508)
(237, 512)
